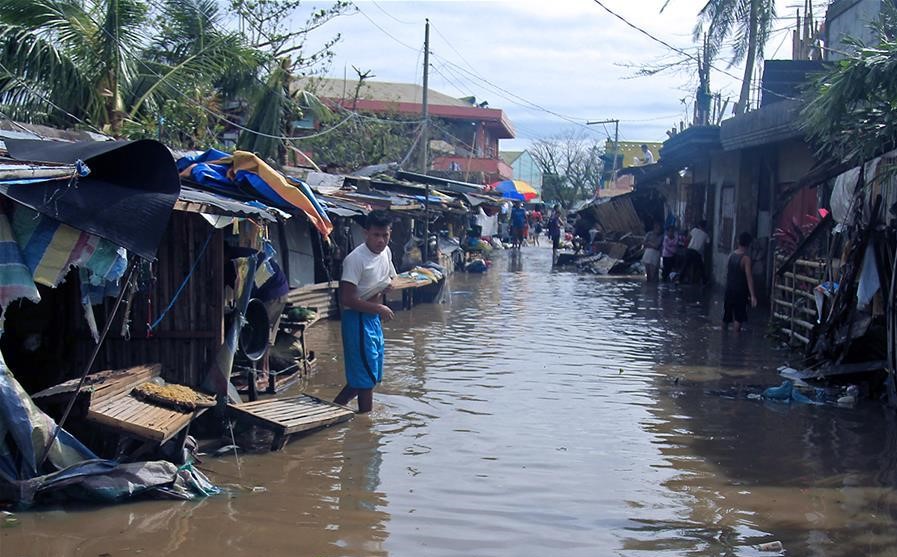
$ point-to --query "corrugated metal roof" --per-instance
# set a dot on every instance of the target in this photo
(196, 201)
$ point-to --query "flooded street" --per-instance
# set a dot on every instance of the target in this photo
(537, 413)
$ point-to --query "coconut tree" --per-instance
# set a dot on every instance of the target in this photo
(189, 71)
(746, 24)
(849, 113)
(106, 61)
(65, 59)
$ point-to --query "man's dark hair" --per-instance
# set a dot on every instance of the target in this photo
(378, 219)
(702, 224)
(644, 147)
(745, 239)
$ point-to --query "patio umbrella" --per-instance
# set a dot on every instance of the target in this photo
(517, 190)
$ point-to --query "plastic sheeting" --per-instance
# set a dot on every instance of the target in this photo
(242, 175)
(72, 471)
(870, 282)
(487, 223)
(127, 198)
(842, 193)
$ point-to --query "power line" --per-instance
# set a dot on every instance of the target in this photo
(384, 31)
(390, 16)
(527, 103)
(676, 49)
(37, 94)
(455, 50)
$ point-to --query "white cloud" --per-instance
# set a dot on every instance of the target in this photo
(564, 56)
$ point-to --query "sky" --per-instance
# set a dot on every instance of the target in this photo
(551, 66)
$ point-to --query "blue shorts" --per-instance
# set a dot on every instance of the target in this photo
(362, 348)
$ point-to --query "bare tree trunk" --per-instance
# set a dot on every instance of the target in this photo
(750, 58)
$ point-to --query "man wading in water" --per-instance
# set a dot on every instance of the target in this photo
(367, 272)
(739, 284)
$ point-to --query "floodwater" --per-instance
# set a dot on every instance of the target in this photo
(537, 413)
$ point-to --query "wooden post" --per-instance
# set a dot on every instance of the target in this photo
(793, 301)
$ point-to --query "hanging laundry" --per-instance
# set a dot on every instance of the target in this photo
(869, 279)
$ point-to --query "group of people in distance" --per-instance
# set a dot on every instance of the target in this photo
(675, 256)
(672, 255)
(527, 226)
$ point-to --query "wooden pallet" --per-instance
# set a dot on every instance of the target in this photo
(107, 400)
(141, 419)
(291, 415)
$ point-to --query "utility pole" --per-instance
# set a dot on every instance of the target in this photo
(425, 116)
(616, 124)
(425, 139)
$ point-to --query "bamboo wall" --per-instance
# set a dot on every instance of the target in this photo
(186, 339)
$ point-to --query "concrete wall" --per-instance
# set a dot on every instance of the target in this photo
(724, 173)
(850, 18)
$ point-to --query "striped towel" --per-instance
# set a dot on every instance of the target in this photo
(15, 276)
(50, 249)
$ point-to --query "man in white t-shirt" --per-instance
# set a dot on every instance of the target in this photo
(367, 274)
(647, 155)
(694, 255)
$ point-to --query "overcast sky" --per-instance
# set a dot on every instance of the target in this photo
(550, 65)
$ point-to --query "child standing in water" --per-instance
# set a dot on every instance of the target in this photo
(739, 284)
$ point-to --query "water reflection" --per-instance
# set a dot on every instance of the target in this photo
(539, 413)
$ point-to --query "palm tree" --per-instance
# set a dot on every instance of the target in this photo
(64, 59)
(747, 23)
(96, 61)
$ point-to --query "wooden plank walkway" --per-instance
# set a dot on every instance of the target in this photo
(290, 415)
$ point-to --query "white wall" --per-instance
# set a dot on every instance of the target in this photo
(724, 171)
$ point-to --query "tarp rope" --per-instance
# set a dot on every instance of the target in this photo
(180, 289)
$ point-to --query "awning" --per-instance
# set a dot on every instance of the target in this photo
(126, 198)
(196, 201)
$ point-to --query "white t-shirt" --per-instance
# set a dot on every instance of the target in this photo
(699, 239)
(370, 272)
(648, 157)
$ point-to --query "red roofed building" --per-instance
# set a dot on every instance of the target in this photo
(464, 136)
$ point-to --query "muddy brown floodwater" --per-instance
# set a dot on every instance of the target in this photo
(537, 413)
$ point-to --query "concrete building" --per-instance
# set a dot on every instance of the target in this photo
(464, 134)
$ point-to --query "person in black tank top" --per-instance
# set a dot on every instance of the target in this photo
(739, 284)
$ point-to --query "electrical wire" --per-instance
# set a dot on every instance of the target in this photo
(384, 31)
(20, 126)
(676, 49)
(510, 97)
(451, 46)
(390, 16)
(39, 95)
